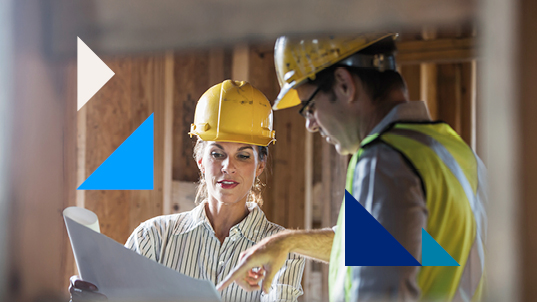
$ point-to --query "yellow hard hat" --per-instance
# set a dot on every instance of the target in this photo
(236, 112)
(297, 60)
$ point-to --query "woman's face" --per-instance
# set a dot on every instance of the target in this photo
(230, 170)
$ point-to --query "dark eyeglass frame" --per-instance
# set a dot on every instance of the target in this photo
(305, 110)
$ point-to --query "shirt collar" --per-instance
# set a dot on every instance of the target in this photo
(249, 227)
(413, 111)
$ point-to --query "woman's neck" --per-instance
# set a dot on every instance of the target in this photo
(224, 216)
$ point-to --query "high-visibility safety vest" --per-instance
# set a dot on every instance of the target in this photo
(454, 183)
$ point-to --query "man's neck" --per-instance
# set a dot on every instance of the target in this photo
(380, 110)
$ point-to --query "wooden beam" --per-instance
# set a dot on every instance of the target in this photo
(37, 240)
(436, 51)
(166, 24)
(502, 135)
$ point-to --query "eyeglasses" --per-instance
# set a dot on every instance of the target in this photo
(307, 109)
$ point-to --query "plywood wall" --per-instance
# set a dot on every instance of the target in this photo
(135, 92)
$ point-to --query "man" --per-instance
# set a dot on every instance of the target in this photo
(408, 172)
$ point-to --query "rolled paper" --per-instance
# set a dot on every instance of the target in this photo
(83, 216)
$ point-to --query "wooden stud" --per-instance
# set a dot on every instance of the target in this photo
(68, 267)
(468, 103)
(81, 155)
(241, 63)
(428, 88)
(428, 78)
(448, 95)
(167, 187)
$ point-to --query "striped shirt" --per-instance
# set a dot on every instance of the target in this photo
(186, 242)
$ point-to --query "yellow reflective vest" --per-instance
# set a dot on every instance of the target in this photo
(454, 183)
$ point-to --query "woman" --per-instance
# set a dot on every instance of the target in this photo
(233, 122)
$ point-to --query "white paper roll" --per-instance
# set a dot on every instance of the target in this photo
(83, 216)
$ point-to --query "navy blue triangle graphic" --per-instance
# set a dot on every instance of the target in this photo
(130, 166)
(368, 243)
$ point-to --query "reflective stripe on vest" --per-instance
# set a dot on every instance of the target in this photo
(453, 178)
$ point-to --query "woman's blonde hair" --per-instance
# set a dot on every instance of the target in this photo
(255, 192)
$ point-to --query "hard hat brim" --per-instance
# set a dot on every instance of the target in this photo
(288, 97)
(242, 139)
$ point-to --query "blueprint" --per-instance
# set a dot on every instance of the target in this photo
(124, 275)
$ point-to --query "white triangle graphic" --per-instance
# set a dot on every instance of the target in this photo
(92, 73)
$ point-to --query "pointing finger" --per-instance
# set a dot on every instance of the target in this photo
(240, 270)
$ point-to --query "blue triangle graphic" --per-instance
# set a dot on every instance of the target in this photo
(130, 166)
(433, 254)
(368, 243)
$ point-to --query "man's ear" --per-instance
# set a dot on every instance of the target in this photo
(260, 168)
(345, 87)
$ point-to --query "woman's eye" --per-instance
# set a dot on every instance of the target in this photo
(217, 155)
(244, 156)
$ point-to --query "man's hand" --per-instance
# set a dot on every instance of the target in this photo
(84, 291)
(269, 255)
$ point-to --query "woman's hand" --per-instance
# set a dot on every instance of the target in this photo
(84, 291)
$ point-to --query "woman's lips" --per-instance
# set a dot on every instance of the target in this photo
(228, 184)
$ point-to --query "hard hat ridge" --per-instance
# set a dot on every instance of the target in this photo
(234, 111)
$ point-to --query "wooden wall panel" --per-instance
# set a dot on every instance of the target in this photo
(191, 80)
(284, 193)
(262, 76)
(112, 115)
(147, 86)
(108, 125)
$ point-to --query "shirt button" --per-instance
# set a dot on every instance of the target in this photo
(222, 263)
